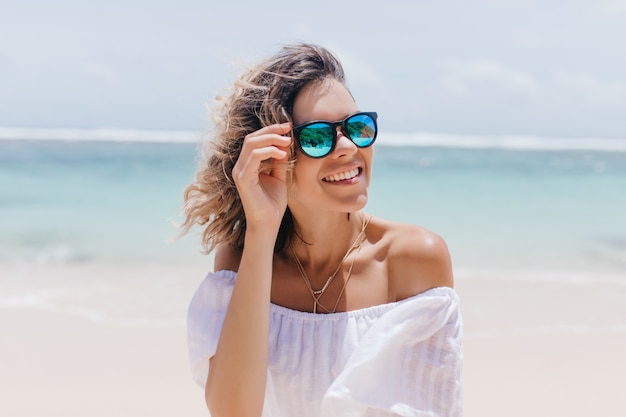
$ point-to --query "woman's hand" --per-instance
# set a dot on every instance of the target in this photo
(263, 193)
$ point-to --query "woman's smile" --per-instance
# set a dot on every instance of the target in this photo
(345, 176)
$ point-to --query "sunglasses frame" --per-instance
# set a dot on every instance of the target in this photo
(333, 125)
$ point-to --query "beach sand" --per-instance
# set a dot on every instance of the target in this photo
(60, 363)
(543, 349)
(531, 349)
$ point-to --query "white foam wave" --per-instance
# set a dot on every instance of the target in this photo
(509, 142)
(591, 277)
(99, 135)
(420, 139)
(53, 254)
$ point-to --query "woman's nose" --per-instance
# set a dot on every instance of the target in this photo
(344, 145)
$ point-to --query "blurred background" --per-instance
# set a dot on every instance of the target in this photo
(534, 93)
(488, 67)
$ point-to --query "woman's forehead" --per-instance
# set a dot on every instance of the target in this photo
(328, 100)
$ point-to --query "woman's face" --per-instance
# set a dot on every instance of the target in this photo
(317, 183)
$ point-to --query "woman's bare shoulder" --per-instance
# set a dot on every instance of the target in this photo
(226, 258)
(417, 259)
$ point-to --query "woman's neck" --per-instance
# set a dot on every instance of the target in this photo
(322, 241)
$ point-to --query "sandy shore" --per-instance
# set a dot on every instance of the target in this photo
(59, 357)
(54, 364)
(531, 349)
(543, 349)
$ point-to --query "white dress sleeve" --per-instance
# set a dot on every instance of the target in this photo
(408, 364)
(205, 317)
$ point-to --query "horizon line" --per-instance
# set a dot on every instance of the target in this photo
(419, 139)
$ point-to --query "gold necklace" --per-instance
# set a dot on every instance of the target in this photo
(317, 294)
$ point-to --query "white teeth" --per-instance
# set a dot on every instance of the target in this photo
(343, 175)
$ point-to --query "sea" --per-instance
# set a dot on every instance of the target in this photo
(529, 208)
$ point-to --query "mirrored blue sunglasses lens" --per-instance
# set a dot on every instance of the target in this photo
(361, 129)
(316, 140)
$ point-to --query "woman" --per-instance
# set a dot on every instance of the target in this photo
(314, 308)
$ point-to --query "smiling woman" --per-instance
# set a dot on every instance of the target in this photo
(309, 293)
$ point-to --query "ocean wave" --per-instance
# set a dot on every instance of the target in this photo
(53, 254)
(508, 142)
(420, 139)
(99, 135)
(563, 276)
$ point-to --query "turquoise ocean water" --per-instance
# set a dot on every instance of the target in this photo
(543, 211)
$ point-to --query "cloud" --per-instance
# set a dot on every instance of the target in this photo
(592, 91)
(484, 77)
(615, 6)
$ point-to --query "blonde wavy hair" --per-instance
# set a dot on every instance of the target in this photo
(261, 96)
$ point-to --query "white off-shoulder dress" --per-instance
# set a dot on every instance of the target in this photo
(397, 359)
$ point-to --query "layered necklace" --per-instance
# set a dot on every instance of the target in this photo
(317, 294)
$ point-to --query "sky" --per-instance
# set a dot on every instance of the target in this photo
(549, 68)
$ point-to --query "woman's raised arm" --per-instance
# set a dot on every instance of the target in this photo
(238, 371)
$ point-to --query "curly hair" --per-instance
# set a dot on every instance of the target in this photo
(261, 96)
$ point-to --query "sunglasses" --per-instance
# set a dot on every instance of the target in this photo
(317, 139)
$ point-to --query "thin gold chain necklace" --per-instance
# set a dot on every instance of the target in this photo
(317, 294)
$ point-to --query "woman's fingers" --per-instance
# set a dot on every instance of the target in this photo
(266, 143)
(273, 135)
(259, 174)
(280, 129)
